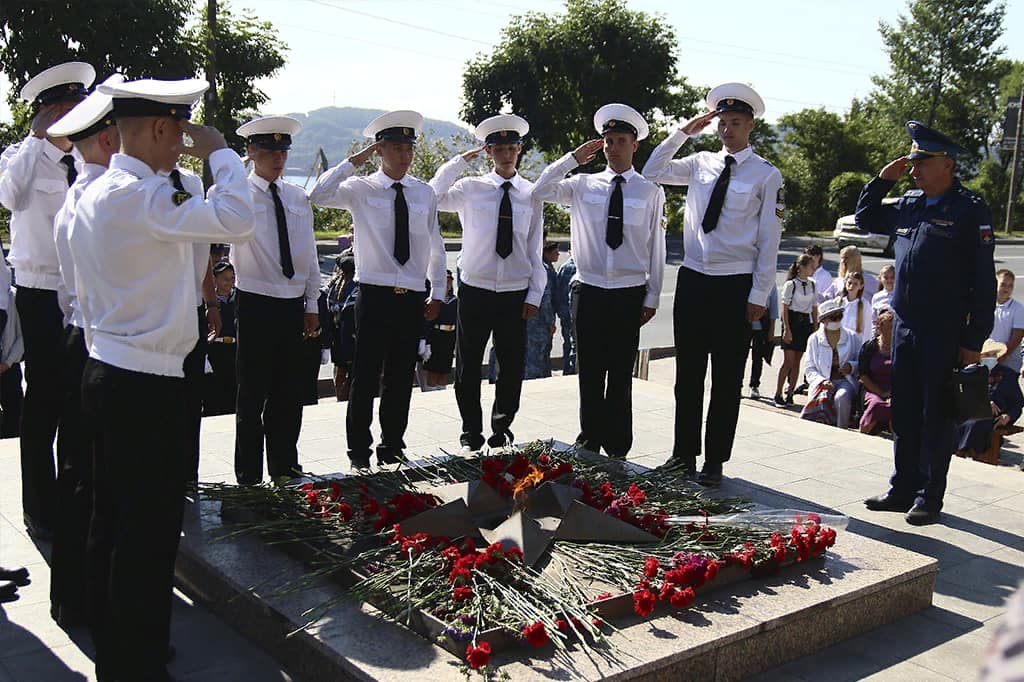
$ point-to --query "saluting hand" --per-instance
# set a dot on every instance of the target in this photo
(205, 139)
(698, 123)
(895, 169)
(363, 155)
(586, 152)
(473, 153)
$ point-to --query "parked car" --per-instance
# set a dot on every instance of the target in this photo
(846, 233)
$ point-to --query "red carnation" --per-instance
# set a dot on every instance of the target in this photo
(543, 460)
(643, 602)
(651, 566)
(682, 598)
(462, 593)
(711, 571)
(345, 511)
(562, 624)
(478, 656)
(536, 634)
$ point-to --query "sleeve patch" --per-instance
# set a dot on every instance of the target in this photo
(780, 203)
(985, 233)
(180, 198)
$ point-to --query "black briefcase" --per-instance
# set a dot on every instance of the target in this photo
(970, 393)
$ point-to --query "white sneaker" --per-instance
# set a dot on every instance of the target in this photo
(754, 393)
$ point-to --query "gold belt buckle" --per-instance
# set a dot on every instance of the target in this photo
(400, 291)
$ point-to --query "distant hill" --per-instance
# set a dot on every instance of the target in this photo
(336, 128)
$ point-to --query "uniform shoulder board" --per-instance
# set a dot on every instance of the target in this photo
(913, 193)
(180, 198)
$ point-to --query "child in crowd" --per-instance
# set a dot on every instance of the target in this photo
(856, 314)
(799, 317)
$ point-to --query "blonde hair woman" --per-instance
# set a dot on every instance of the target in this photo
(850, 261)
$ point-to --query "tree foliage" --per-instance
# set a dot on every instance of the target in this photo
(556, 70)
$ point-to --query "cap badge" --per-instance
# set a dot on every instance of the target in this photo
(611, 124)
(277, 137)
(406, 131)
(504, 133)
(730, 102)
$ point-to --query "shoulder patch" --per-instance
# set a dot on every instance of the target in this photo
(985, 234)
(180, 198)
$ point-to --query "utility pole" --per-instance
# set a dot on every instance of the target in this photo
(1015, 163)
(210, 99)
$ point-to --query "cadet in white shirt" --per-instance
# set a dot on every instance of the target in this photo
(135, 276)
(398, 246)
(502, 277)
(730, 242)
(618, 242)
(278, 281)
(90, 127)
(34, 177)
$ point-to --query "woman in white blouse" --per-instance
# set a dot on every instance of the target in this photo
(831, 368)
(799, 317)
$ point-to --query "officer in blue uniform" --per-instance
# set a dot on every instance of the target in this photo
(944, 300)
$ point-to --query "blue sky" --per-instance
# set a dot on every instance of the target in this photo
(410, 54)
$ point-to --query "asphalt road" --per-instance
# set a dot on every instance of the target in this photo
(658, 332)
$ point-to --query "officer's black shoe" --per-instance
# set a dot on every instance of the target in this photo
(921, 515)
(18, 576)
(887, 502)
(8, 591)
(710, 475)
(501, 440)
(38, 531)
(680, 466)
(386, 455)
(359, 461)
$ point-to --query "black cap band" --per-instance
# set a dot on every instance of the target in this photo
(617, 126)
(397, 134)
(503, 137)
(271, 141)
(126, 107)
(65, 92)
(733, 104)
(221, 266)
(96, 127)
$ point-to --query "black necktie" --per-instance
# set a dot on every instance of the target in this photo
(710, 221)
(504, 244)
(69, 161)
(282, 234)
(613, 237)
(401, 225)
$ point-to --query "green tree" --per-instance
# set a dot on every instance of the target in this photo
(944, 70)
(843, 191)
(556, 70)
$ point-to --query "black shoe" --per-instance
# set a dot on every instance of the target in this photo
(789, 398)
(18, 576)
(887, 502)
(500, 440)
(710, 476)
(801, 389)
(37, 531)
(471, 444)
(386, 455)
(678, 465)
(360, 461)
(8, 591)
(777, 401)
(921, 515)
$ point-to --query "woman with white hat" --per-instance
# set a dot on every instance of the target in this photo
(831, 367)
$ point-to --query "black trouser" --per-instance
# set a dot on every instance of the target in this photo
(758, 343)
(607, 337)
(42, 327)
(74, 488)
(388, 326)
(709, 319)
(270, 378)
(133, 539)
(11, 399)
(222, 385)
(195, 368)
(482, 313)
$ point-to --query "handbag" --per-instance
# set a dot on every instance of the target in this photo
(970, 393)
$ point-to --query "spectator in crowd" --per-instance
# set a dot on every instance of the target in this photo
(1008, 326)
(762, 337)
(856, 315)
(799, 317)
(982, 438)
(439, 343)
(850, 261)
(222, 383)
(875, 369)
(340, 289)
(832, 355)
(541, 327)
(822, 277)
(883, 298)
(563, 306)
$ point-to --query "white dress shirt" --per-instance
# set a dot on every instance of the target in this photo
(258, 262)
(799, 295)
(1008, 316)
(746, 239)
(640, 259)
(835, 289)
(857, 310)
(66, 287)
(135, 260)
(33, 182)
(823, 280)
(477, 199)
(371, 201)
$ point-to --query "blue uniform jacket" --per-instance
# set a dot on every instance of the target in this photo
(945, 273)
